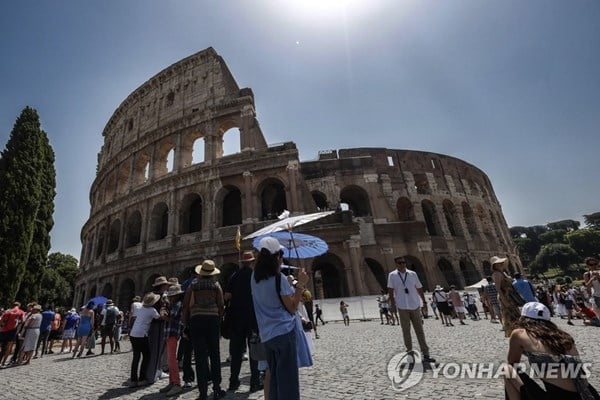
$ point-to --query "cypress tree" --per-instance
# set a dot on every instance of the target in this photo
(40, 245)
(20, 196)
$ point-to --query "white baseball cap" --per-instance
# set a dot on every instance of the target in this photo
(535, 310)
(271, 244)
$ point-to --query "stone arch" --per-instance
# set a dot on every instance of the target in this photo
(161, 158)
(496, 227)
(470, 274)
(431, 218)
(231, 206)
(405, 209)
(227, 271)
(414, 264)
(114, 236)
(149, 282)
(232, 141)
(272, 198)
(378, 272)
(469, 218)
(191, 213)
(320, 200)
(447, 270)
(192, 149)
(100, 242)
(357, 199)
(107, 290)
(329, 277)
(487, 268)
(159, 221)
(452, 219)
(141, 168)
(134, 229)
(126, 294)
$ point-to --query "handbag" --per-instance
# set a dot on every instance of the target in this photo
(257, 348)
(227, 324)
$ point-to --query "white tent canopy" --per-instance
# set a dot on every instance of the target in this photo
(477, 285)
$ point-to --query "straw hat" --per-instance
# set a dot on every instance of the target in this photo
(207, 268)
(438, 287)
(173, 281)
(161, 280)
(109, 302)
(247, 256)
(174, 290)
(497, 260)
(150, 299)
(37, 307)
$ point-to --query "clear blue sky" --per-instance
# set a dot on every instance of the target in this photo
(510, 86)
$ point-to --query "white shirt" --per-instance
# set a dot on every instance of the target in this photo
(401, 281)
(143, 318)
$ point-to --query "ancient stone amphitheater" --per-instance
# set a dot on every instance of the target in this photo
(167, 194)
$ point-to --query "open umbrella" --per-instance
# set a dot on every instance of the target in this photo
(297, 245)
(288, 223)
(98, 301)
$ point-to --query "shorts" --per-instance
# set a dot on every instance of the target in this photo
(69, 334)
(444, 307)
(460, 309)
(108, 330)
(569, 304)
(54, 335)
(8, 336)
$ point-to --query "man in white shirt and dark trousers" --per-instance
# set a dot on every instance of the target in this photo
(406, 294)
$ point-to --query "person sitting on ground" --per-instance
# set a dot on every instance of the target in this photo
(588, 315)
(547, 346)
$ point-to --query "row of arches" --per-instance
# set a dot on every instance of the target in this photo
(163, 158)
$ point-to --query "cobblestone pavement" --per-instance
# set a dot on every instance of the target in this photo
(350, 363)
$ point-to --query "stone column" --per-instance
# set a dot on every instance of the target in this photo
(151, 166)
(354, 271)
(172, 227)
(248, 214)
(131, 178)
(292, 169)
(178, 156)
(122, 232)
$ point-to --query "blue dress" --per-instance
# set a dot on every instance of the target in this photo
(85, 326)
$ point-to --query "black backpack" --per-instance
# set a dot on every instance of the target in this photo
(111, 316)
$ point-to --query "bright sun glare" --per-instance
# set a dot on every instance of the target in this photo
(327, 8)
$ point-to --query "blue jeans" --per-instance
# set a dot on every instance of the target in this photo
(283, 365)
(205, 335)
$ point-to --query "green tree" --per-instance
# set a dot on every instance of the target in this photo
(554, 236)
(40, 245)
(556, 255)
(586, 242)
(20, 196)
(58, 280)
(592, 220)
(566, 224)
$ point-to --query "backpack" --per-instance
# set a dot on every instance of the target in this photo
(111, 316)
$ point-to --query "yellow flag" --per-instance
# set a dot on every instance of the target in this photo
(238, 239)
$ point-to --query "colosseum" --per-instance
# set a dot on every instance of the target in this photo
(169, 191)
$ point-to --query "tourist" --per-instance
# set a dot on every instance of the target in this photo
(591, 279)
(524, 287)
(558, 301)
(319, 315)
(492, 296)
(383, 304)
(31, 334)
(118, 330)
(20, 335)
(241, 311)
(275, 303)
(185, 349)
(9, 323)
(138, 336)
(45, 327)
(55, 329)
(457, 304)
(433, 307)
(136, 304)
(588, 315)
(544, 297)
(204, 307)
(70, 323)
(107, 326)
(406, 294)
(568, 298)
(471, 302)
(506, 294)
(344, 311)
(85, 328)
(172, 335)
(440, 298)
(543, 343)
(156, 334)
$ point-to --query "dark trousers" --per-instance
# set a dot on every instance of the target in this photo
(283, 366)
(204, 331)
(237, 346)
(42, 340)
(184, 354)
(140, 347)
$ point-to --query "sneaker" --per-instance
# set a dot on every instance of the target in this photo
(568, 323)
(245, 357)
(175, 390)
(219, 394)
(143, 383)
(131, 384)
(166, 388)
(256, 388)
(428, 359)
(187, 384)
(233, 386)
(163, 375)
